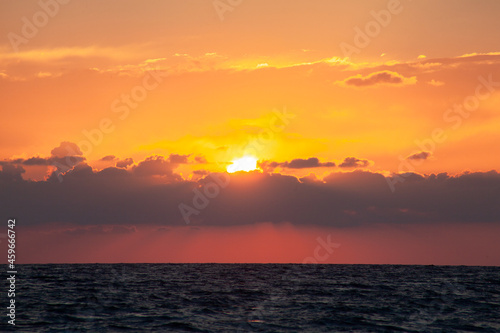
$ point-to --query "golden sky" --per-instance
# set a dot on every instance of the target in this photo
(308, 89)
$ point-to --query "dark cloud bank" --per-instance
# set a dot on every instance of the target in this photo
(150, 193)
(313, 162)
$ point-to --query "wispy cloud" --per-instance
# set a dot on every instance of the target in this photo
(378, 78)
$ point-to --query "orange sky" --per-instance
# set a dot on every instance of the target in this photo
(397, 86)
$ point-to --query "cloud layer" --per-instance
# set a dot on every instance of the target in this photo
(151, 192)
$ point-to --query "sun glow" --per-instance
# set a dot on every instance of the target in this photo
(246, 163)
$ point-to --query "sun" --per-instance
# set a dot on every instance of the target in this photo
(246, 163)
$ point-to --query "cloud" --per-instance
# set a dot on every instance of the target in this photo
(475, 54)
(63, 162)
(124, 163)
(108, 158)
(342, 199)
(435, 83)
(312, 162)
(353, 162)
(56, 54)
(11, 173)
(178, 159)
(66, 149)
(73, 166)
(99, 230)
(200, 159)
(156, 166)
(35, 161)
(423, 155)
(310, 178)
(382, 77)
(64, 158)
(298, 163)
(128, 62)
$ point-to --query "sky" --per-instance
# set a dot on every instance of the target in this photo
(251, 131)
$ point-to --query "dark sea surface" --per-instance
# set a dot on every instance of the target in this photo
(256, 298)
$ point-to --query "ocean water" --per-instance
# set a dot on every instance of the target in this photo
(256, 298)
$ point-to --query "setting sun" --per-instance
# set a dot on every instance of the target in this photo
(246, 163)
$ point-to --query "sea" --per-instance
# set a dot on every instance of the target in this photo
(255, 298)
